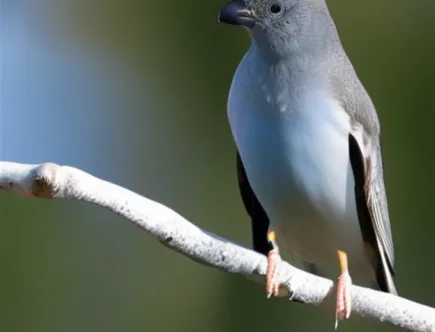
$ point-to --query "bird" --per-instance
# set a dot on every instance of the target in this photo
(309, 155)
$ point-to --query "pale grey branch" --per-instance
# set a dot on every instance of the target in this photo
(53, 181)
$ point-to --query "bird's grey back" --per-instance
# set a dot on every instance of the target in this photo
(346, 87)
(340, 73)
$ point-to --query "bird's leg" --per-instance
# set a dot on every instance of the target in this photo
(344, 283)
(273, 261)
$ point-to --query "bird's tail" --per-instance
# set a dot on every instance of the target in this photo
(385, 274)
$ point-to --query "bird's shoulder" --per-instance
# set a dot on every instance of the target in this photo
(348, 90)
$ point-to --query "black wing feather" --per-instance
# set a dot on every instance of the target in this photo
(259, 219)
(372, 222)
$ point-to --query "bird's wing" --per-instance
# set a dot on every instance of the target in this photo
(259, 219)
(366, 160)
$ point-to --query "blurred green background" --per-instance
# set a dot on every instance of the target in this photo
(135, 92)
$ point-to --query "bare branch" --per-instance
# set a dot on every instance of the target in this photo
(53, 181)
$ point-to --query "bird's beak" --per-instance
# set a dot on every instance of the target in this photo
(235, 12)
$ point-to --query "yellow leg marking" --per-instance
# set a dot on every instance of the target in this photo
(271, 237)
(342, 258)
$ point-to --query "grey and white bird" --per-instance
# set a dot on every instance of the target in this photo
(309, 152)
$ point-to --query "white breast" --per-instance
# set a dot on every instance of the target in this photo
(295, 151)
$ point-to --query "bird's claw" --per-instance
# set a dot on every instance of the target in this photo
(344, 304)
(272, 282)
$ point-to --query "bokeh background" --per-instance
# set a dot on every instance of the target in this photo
(134, 92)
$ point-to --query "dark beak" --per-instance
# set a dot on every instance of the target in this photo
(235, 12)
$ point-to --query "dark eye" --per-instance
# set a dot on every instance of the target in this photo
(275, 9)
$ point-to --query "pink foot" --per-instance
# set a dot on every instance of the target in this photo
(344, 304)
(272, 284)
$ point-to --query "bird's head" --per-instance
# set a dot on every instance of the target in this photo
(280, 26)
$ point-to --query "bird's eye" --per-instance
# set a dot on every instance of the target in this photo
(275, 9)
